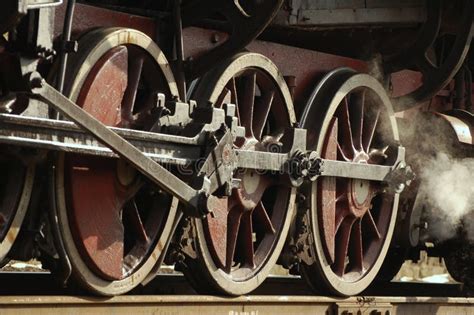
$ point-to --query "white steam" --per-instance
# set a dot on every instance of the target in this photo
(447, 185)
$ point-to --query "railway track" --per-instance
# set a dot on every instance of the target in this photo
(277, 295)
(253, 304)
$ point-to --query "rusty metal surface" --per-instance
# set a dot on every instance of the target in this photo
(88, 17)
(307, 66)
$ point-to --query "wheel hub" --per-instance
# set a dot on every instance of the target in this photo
(360, 192)
(360, 196)
(250, 193)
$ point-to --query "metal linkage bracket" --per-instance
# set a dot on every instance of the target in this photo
(397, 176)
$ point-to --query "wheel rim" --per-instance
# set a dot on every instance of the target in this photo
(243, 239)
(115, 220)
(352, 220)
(15, 192)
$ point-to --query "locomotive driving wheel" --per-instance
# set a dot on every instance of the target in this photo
(16, 185)
(349, 118)
(113, 221)
(240, 243)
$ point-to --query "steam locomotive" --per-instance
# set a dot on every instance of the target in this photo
(227, 137)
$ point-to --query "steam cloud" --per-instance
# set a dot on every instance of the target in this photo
(447, 185)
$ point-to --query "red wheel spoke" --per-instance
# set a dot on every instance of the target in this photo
(341, 213)
(131, 211)
(135, 65)
(262, 217)
(343, 155)
(246, 240)
(262, 109)
(246, 99)
(371, 225)
(342, 246)
(233, 224)
(356, 257)
(342, 197)
(370, 126)
(234, 97)
(125, 194)
(345, 129)
(357, 118)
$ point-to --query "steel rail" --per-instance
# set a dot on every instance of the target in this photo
(191, 304)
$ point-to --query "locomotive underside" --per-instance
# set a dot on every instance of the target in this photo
(333, 138)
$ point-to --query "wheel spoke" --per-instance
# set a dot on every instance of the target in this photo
(131, 212)
(370, 126)
(357, 118)
(246, 99)
(233, 224)
(345, 129)
(341, 152)
(262, 109)
(356, 250)
(135, 65)
(371, 225)
(246, 240)
(342, 245)
(341, 214)
(234, 97)
(144, 117)
(342, 197)
(262, 217)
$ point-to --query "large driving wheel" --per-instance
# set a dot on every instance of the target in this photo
(113, 221)
(16, 184)
(239, 245)
(349, 118)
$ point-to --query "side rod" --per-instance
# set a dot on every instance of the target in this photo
(154, 171)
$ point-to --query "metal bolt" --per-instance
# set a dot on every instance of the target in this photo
(215, 38)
